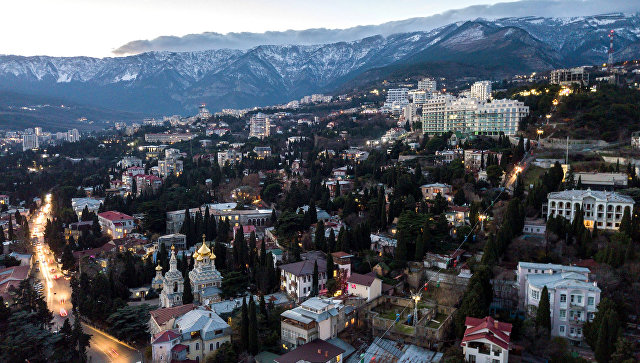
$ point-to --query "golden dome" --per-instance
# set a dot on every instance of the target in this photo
(204, 250)
(199, 258)
(158, 268)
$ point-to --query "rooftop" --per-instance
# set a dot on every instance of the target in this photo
(596, 194)
(552, 266)
(161, 316)
(358, 279)
(304, 267)
(114, 216)
(317, 351)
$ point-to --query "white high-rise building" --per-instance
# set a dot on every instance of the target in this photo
(481, 90)
(38, 131)
(73, 135)
(397, 95)
(30, 142)
(427, 84)
(447, 113)
(259, 126)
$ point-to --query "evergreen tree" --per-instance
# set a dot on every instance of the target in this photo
(187, 294)
(314, 281)
(543, 315)
(253, 344)
(96, 229)
(10, 230)
(2, 237)
(331, 242)
(68, 261)
(263, 306)
(319, 238)
(419, 248)
(244, 325)
(459, 198)
(80, 339)
(625, 224)
(330, 267)
(579, 184)
(400, 256)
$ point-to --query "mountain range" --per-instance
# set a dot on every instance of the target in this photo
(156, 83)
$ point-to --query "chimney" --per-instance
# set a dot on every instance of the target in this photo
(495, 324)
(326, 353)
(319, 351)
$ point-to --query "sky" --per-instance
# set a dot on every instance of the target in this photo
(97, 28)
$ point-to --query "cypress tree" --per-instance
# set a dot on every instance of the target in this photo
(10, 232)
(330, 267)
(314, 281)
(244, 325)
(253, 327)
(331, 242)
(187, 294)
(543, 315)
(319, 238)
(2, 237)
(625, 224)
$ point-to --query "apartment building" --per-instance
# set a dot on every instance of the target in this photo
(221, 211)
(445, 113)
(567, 77)
(296, 279)
(30, 141)
(259, 126)
(481, 90)
(602, 208)
(572, 296)
(231, 156)
(116, 224)
(315, 318)
(427, 84)
(169, 138)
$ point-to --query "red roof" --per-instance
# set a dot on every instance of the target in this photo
(161, 316)
(341, 254)
(114, 216)
(11, 277)
(179, 348)
(489, 329)
(165, 336)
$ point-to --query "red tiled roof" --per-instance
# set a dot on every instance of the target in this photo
(114, 216)
(475, 322)
(161, 316)
(178, 348)
(365, 280)
(165, 336)
(496, 332)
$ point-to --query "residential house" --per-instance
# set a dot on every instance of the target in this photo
(430, 191)
(115, 224)
(601, 208)
(316, 318)
(486, 340)
(296, 279)
(365, 286)
(572, 296)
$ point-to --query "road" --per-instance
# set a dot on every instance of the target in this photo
(511, 178)
(57, 291)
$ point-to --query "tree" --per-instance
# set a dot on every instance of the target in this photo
(130, 323)
(625, 224)
(400, 256)
(331, 242)
(2, 238)
(494, 173)
(10, 230)
(314, 281)
(187, 294)
(319, 238)
(459, 198)
(81, 339)
(68, 261)
(330, 267)
(624, 351)
(543, 315)
(244, 325)
(253, 328)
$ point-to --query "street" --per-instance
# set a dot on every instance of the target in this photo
(57, 291)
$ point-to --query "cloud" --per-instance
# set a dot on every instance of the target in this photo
(544, 8)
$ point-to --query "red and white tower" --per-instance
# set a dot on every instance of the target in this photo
(610, 60)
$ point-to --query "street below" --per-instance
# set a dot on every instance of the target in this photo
(57, 293)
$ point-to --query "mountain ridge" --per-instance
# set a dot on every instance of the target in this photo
(176, 82)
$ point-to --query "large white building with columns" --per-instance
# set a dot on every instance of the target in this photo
(602, 208)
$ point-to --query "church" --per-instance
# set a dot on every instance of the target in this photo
(205, 279)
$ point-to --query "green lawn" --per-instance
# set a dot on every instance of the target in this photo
(532, 175)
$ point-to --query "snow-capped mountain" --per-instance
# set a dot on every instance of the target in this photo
(167, 82)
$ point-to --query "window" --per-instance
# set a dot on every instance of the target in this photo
(563, 298)
(472, 358)
(217, 345)
(591, 300)
(197, 346)
(562, 329)
(579, 299)
(563, 314)
(211, 346)
(535, 294)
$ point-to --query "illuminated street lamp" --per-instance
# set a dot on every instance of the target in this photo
(482, 217)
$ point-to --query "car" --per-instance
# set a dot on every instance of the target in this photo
(63, 312)
(53, 269)
(62, 301)
(56, 276)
